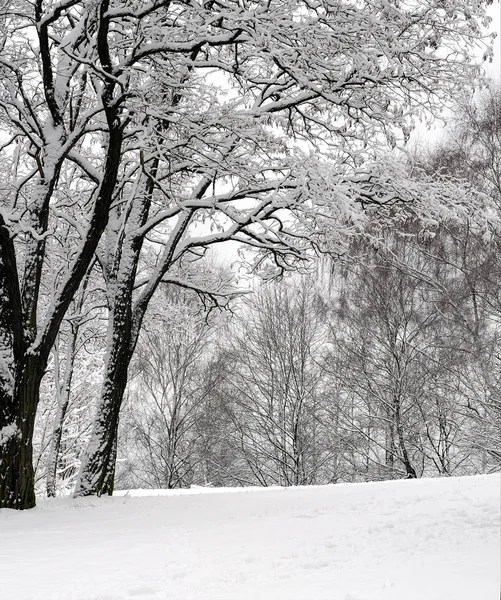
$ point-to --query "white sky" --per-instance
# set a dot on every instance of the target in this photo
(424, 135)
(494, 69)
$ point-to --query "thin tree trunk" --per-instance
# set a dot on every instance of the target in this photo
(63, 392)
(390, 442)
(63, 401)
(411, 472)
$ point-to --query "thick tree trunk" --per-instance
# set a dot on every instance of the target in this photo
(97, 472)
(25, 344)
(17, 420)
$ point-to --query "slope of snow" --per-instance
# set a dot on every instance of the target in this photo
(407, 540)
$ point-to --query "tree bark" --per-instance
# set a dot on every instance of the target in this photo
(23, 362)
(97, 472)
(63, 399)
(17, 421)
(409, 469)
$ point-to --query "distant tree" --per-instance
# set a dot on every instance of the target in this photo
(272, 387)
(159, 435)
(74, 348)
(396, 356)
(472, 149)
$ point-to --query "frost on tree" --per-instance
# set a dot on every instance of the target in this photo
(171, 126)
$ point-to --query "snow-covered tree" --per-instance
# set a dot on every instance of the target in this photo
(179, 125)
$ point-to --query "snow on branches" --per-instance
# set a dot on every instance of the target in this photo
(168, 127)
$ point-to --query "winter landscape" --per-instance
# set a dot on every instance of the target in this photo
(250, 299)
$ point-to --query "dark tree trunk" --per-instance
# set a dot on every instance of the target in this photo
(409, 469)
(97, 472)
(22, 371)
(25, 344)
(17, 420)
(98, 467)
(391, 449)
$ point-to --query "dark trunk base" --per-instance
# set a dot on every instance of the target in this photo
(17, 478)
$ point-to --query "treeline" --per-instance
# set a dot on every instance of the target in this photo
(384, 366)
(375, 371)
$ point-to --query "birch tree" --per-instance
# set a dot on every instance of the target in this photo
(394, 352)
(472, 149)
(164, 116)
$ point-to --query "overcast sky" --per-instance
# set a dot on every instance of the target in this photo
(494, 69)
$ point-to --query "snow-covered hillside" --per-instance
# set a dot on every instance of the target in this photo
(406, 540)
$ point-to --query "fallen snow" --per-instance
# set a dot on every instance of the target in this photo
(8, 432)
(435, 539)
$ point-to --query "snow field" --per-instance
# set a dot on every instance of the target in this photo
(435, 539)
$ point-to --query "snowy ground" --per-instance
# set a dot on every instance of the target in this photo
(405, 540)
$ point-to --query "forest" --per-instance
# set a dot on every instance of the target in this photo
(224, 261)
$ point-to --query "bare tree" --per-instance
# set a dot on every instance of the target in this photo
(273, 386)
(472, 149)
(159, 435)
(396, 355)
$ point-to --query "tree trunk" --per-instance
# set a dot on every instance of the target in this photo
(390, 450)
(97, 472)
(63, 390)
(17, 420)
(63, 400)
(409, 469)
